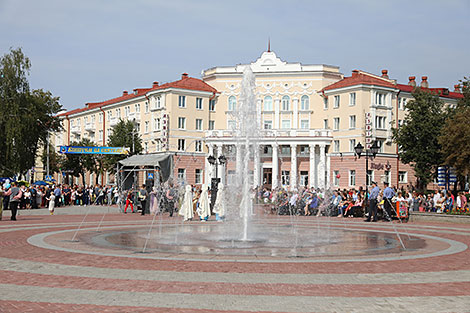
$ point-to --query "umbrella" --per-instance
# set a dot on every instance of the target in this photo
(23, 182)
(40, 183)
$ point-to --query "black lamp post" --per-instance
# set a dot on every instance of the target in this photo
(216, 161)
(368, 153)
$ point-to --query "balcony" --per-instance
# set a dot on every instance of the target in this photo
(90, 127)
(274, 133)
(76, 129)
(134, 116)
(113, 121)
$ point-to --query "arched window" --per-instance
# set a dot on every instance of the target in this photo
(285, 103)
(304, 103)
(232, 103)
(268, 103)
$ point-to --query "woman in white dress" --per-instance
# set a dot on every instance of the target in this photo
(203, 209)
(219, 206)
(186, 209)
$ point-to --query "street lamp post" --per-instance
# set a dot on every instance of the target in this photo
(216, 161)
(368, 153)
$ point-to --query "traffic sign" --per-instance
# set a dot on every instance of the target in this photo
(150, 176)
(48, 178)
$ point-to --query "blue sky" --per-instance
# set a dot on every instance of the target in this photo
(92, 50)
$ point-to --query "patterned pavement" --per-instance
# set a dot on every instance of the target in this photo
(43, 270)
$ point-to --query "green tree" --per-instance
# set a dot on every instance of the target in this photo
(123, 134)
(27, 118)
(78, 164)
(55, 159)
(417, 138)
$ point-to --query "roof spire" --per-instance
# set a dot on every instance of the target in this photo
(269, 44)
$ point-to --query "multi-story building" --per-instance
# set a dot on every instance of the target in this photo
(311, 117)
(171, 118)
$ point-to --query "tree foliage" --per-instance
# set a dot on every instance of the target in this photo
(78, 164)
(123, 134)
(455, 135)
(27, 116)
(55, 159)
(417, 138)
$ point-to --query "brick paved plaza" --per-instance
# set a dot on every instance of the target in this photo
(43, 270)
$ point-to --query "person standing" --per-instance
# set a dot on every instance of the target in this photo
(186, 209)
(52, 202)
(15, 197)
(143, 198)
(129, 202)
(389, 193)
(203, 209)
(374, 193)
(170, 198)
(219, 206)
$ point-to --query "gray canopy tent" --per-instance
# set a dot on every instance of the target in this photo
(160, 165)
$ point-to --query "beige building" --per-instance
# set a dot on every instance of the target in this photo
(311, 117)
(171, 118)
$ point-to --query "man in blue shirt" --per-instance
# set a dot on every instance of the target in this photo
(389, 193)
(374, 193)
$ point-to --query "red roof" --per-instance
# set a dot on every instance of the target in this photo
(185, 82)
(360, 78)
(442, 92)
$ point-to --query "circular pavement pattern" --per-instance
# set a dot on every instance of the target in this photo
(52, 264)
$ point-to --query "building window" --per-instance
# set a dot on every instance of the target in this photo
(387, 177)
(402, 177)
(232, 103)
(118, 113)
(146, 126)
(370, 177)
(352, 98)
(268, 124)
(211, 125)
(181, 145)
(304, 103)
(181, 174)
(100, 134)
(146, 147)
(93, 119)
(231, 125)
(352, 177)
(159, 102)
(212, 105)
(325, 123)
(100, 118)
(380, 98)
(198, 124)
(198, 176)
(400, 123)
(146, 106)
(352, 144)
(304, 178)
(336, 123)
(336, 146)
(336, 105)
(380, 122)
(182, 101)
(325, 103)
(268, 103)
(285, 124)
(380, 143)
(352, 121)
(285, 178)
(137, 107)
(304, 124)
(199, 103)
(401, 103)
(285, 103)
(336, 178)
(181, 123)
(158, 125)
(198, 146)
(285, 150)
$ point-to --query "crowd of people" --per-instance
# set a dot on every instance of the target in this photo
(203, 201)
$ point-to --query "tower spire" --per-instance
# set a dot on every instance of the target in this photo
(269, 44)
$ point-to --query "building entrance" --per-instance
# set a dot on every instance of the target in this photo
(267, 177)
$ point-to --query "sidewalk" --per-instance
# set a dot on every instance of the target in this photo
(68, 210)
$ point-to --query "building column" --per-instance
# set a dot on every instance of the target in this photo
(256, 166)
(275, 165)
(276, 113)
(321, 168)
(220, 167)
(295, 104)
(311, 172)
(293, 166)
(328, 172)
(238, 158)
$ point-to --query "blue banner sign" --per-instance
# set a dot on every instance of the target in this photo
(93, 150)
